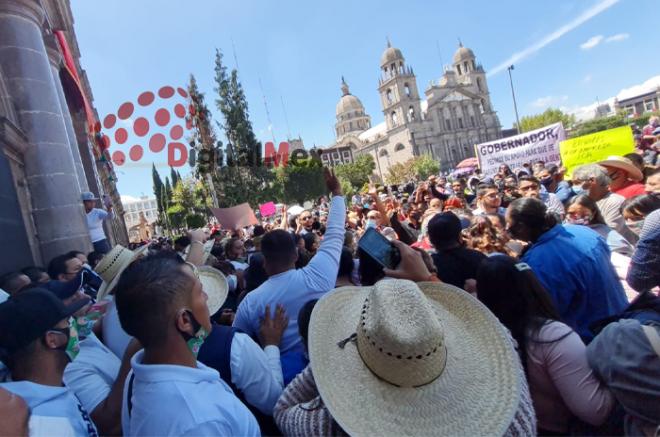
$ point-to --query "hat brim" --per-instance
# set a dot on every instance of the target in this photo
(478, 392)
(74, 307)
(107, 288)
(215, 285)
(634, 173)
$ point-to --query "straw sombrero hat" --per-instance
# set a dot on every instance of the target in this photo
(113, 263)
(214, 284)
(621, 163)
(394, 359)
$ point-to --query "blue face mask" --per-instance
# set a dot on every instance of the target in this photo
(578, 189)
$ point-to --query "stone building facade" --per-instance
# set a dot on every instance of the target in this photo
(454, 115)
(48, 155)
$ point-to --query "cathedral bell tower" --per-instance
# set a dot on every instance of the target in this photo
(398, 90)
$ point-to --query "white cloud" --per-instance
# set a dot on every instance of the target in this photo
(592, 42)
(617, 37)
(587, 112)
(128, 199)
(547, 101)
(587, 78)
(585, 16)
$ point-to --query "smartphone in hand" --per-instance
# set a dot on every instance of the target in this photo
(380, 249)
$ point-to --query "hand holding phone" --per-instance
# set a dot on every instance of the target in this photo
(380, 249)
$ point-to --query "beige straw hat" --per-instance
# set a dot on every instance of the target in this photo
(113, 263)
(394, 359)
(625, 164)
(214, 284)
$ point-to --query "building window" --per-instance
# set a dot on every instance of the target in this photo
(383, 152)
(482, 106)
(407, 89)
(472, 121)
(411, 114)
(399, 147)
(447, 124)
(460, 123)
(389, 96)
(649, 106)
(395, 118)
(458, 67)
(465, 65)
(479, 84)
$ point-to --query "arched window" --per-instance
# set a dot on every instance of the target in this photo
(465, 65)
(401, 67)
(474, 67)
(479, 84)
(393, 68)
(406, 89)
(458, 67)
(395, 118)
(482, 106)
(383, 152)
(389, 95)
(411, 114)
(399, 147)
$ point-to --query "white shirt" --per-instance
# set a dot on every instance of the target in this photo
(294, 288)
(256, 372)
(170, 400)
(114, 336)
(95, 223)
(55, 409)
(91, 375)
(239, 265)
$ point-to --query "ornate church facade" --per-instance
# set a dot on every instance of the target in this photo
(455, 115)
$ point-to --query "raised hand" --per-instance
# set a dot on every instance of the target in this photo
(331, 182)
(272, 328)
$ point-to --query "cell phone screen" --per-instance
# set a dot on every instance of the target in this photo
(379, 248)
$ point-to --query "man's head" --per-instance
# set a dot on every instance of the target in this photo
(13, 282)
(591, 179)
(529, 186)
(37, 275)
(549, 177)
(489, 196)
(34, 330)
(445, 230)
(622, 170)
(435, 203)
(80, 255)
(374, 218)
(160, 301)
(181, 243)
(527, 219)
(279, 250)
(306, 220)
(458, 187)
(234, 248)
(64, 267)
(88, 200)
(653, 182)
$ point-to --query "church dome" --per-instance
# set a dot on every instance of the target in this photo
(349, 103)
(390, 55)
(463, 54)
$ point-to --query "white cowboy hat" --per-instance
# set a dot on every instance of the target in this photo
(394, 359)
(621, 163)
(113, 264)
(215, 285)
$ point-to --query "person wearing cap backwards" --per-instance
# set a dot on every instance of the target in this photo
(625, 176)
(161, 302)
(95, 219)
(36, 343)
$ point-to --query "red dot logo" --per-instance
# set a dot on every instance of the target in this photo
(154, 121)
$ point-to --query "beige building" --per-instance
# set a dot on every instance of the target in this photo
(139, 216)
(455, 114)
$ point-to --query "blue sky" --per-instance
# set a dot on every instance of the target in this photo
(567, 53)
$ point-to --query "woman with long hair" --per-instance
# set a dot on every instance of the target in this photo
(562, 385)
(483, 236)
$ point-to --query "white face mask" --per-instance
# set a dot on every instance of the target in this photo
(635, 226)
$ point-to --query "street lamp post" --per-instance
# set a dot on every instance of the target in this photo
(513, 94)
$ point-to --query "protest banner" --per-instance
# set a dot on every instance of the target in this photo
(267, 209)
(596, 147)
(536, 145)
(235, 217)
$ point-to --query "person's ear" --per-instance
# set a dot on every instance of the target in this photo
(184, 322)
(53, 340)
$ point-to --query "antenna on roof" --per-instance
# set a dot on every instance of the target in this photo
(387, 37)
(460, 43)
(442, 64)
(270, 123)
(286, 119)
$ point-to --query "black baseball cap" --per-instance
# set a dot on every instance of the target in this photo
(444, 228)
(29, 314)
(66, 289)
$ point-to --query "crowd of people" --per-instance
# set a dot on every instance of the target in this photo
(522, 303)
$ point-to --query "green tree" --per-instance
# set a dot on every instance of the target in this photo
(399, 173)
(167, 193)
(357, 173)
(158, 189)
(549, 116)
(424, 166)
(301, 182)
(599, 124)
(243, 178)
(174, 177)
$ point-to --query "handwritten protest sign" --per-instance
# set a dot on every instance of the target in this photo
(267, 209)
(235, 217)
(536, 145)
(596, 147)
